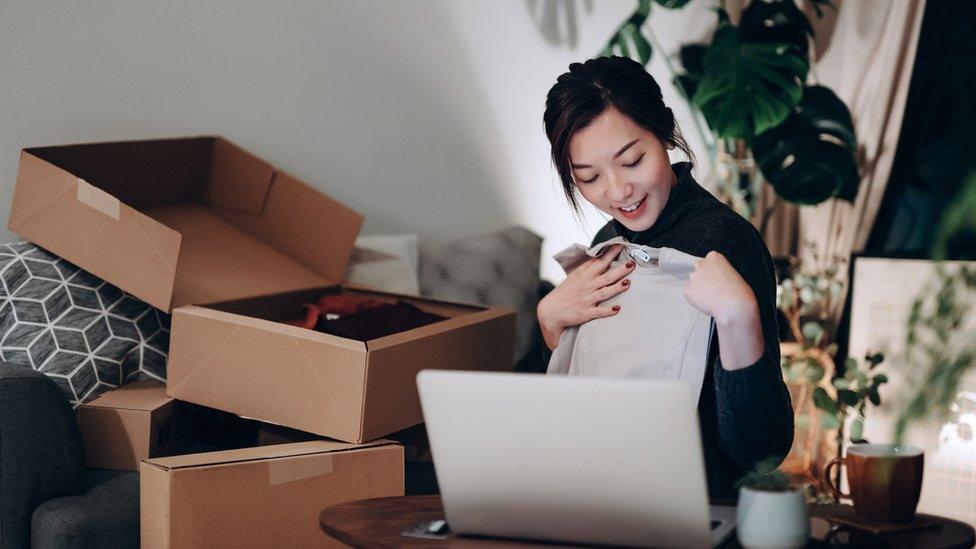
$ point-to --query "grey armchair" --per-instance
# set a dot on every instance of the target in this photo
(47, 497)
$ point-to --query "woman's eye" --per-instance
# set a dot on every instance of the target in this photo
(635, 162)
(590, 180)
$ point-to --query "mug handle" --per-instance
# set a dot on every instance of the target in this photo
(829, 480)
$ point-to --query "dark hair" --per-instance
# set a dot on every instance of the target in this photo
(587, 90)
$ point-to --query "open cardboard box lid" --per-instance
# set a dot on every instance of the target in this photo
(181, 221)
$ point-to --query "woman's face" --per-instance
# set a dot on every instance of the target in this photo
(618, 165)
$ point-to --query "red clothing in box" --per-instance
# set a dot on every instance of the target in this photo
(363, 318)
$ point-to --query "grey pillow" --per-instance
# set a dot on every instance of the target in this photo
(85, 334)
(499, 269)
(388, 262)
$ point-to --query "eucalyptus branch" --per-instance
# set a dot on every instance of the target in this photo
(938, 341)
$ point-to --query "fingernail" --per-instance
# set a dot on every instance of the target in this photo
(625, 282)
(630, 264)
(615, 308)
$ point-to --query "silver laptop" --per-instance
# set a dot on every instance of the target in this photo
(571, 459)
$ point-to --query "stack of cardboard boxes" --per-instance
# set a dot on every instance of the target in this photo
(231, 247)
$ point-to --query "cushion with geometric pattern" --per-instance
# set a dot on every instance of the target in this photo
(84, 333)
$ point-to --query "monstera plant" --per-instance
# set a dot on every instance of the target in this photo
(749, 85)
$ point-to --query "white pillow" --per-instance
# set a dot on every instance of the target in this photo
(387, 262)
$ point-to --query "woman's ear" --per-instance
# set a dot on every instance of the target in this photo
(669, 146)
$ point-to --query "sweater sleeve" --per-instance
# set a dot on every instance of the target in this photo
(754, 412)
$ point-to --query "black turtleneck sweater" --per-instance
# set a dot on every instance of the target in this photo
(745, 415)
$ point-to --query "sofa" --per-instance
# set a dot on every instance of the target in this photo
(47, 497)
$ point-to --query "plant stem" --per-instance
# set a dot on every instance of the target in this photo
(793, 317)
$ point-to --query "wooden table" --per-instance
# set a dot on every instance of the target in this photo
(378, 522)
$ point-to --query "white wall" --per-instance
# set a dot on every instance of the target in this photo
(426, 116)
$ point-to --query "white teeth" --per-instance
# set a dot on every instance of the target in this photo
(633, 206)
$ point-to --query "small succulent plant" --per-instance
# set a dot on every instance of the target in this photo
(766, 477)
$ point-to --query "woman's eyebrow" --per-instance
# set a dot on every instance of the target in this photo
(620, 152)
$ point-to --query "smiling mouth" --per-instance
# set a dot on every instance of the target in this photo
(633, 207)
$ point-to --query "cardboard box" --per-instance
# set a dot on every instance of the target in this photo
(179, 221)
(132, 423)
(231, 245)
(260, 497)
(237, 356)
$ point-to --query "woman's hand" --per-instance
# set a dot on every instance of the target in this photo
(576, 300)
(718, 290)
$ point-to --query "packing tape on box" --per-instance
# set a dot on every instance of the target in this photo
(98, 199)
(281, 471)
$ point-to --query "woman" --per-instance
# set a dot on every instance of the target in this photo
(610, 132)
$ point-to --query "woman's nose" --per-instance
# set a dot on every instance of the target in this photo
(619, 190)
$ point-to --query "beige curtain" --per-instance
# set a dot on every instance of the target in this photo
(865, 52)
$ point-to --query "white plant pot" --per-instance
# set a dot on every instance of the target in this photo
(769, 520)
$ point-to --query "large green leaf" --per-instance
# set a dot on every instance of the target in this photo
(748, 87)
(628, 41)
(810, 157)
(692, 60)
(776, 21)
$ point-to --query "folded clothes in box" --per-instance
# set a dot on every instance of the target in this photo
(362, 319)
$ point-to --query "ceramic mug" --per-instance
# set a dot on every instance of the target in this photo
(885, 480)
